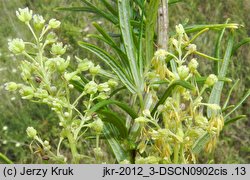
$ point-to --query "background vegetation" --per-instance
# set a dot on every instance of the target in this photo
(17, 114)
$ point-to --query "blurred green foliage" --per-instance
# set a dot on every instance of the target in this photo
(17, 114)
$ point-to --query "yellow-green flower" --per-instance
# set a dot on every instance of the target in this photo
(24, 15)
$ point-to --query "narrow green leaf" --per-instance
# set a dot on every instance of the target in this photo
(119, 152)
(198, 34)
(202, 79)
(102, 13)
(229, 94)
(139, 3)
(168, 92)
(77, 85)
(200, 143)
(108, 40)
(207, 56)
(241, 43)
(195, 28)
(124, 19)
(117, 90)
(115, 120)
(110, 61)
(239, 103)
(110, 7)
(140, 46)
(76, 9)
(229, 121)
(218, 50)
(151, 18)
(4, 159)
(227, 108)
(217, 88)
(123, 106)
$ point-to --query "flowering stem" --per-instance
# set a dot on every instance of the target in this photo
(32, 31)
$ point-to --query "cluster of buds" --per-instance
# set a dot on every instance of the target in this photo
(47, 79)
(182, 116)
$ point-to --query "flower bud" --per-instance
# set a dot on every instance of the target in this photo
(103, 87)
(193, 64)
(27, 92)
(179, 29)
(112, 83)
(53, 23)
(146, 113)
(183, 71)
(141, 120)
(58, 49)
(191, 48)
(16, 46)
(70, 76)
(161, 54)
(24, 15)
(46, 143)
(38, 21)
(85, 65)
(97, 125)
(102, 96)
(91, 87)
(98, 152)
(51, 37)
(71, 86)
(31, 132)
(66, 114)
(11, 86)
(211, 80)
(94, 70)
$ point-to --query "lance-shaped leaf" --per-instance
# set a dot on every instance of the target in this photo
(168, 92)
(195, 28)
(123, 106)
(110, 61)
(120, 153)
(200, 143)
(124, 19)
(116, 120)
(217, 88)
(151, 15)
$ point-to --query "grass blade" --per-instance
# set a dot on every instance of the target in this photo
(217, 89)
(168, 92)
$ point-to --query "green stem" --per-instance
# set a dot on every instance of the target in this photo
(176, 153)
(72, 144)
